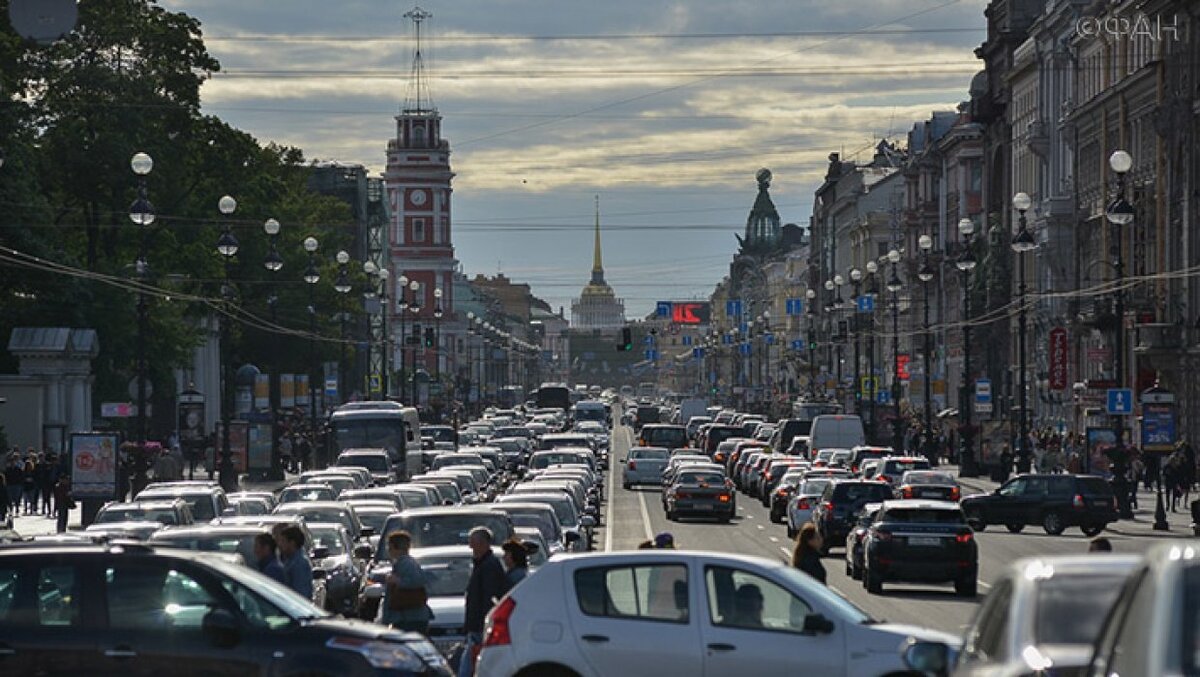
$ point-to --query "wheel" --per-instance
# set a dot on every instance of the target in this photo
(967, 586)
(791, 532)
(1052, 522)
(725, 519)
(1015, 528)
(874, 582)
(976, 521)
(671, 516)
(856, 572)
(1092, 529)
(626, 486)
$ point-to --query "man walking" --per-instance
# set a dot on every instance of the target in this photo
(297, 570)
(487, 584)
(63, 501)
(266, 557)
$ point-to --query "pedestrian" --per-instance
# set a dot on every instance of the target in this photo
(29, 486)
(486, 585)
(45, 484)
(14, 478)
(806, 554)
(266, 557)
(664, 541)
(63, 501)
(1100, 544)
(297, 570)
(5, 502)
(285, 452)
(405, 603)
(516, 561)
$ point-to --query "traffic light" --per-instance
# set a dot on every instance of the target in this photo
(626, 343)
(812, 345)
(428, 337)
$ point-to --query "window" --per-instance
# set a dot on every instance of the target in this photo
(740, 599)
(154, 598)
(258, 611)
(656, 592)
(53, 602)
(1014, 488)
(418, 230)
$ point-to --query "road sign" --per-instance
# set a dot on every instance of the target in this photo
(983, 407)
(698, 353)
(797, 344)
(1158, 427)
(375, 383)
(726, 339)
(983, 391)
(117, 410)
(769, 338)
(869, 385)
(733, 308)
(1120, 401)
(744, 328)
(794, 306)
(687, 340)
(883, 397)
(866, 303)
(663, 309)
(652, 355)
(744, 349)
(331, 387)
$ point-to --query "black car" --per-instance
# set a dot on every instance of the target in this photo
(700, 492)
(1053, 501)
(835, 510)
(920, 541)
(133, 609)
(783, 492)
(857, 539)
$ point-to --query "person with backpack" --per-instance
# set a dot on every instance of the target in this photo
(405, 600)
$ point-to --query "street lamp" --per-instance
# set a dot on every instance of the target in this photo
(141, 213)
(437, 335)
(385, 373)
(415, 307)
(370, 292)
(925, 274)
(312, 275)
(872, 291)
(1022, 242)
(273, 263)
(856, 280)
(341, 285)
(894, 286)
(811, 296)
(966, 263)
(227, 247)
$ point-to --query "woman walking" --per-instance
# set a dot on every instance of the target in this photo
(516, 562)
(404, 604)
(29, 486)
(806, 555)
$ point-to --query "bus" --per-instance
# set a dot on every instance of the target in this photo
(553, 396)
(379, 425)
(647, 391)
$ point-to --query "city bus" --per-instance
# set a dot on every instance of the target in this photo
(379, 425)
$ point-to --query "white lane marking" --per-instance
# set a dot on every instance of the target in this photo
(761, 527)
(749, 516)
(774, 539)
(612, 481)
(784, 550)
(645, 515)
(985, 586)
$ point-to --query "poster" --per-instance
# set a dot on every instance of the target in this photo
(1099, 440)
(994, 438)
(1158, 427)
(93, 465)
(287, 390)
(260, 447)
(238, 432)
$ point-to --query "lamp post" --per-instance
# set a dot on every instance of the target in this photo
(471, 376)
(371, 292)
(227, 247)
(837, 306)
(894, 286)
(966, 263)
(312, 275)
(1120, 213)
(385, 361)
(141, 213)
(1022, 242)
(811, 295)
(402, 311)
(872, 291)
(767, 381)
(341, 285)
(273, 263)
(415, 308)
(437, 335)
(925, 275)
(856, 280)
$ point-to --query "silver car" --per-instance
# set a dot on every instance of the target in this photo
(644, 465)
(803, 502)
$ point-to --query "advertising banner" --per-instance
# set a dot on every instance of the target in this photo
(287, 390)
(1058, 358)
(260, 447)
(238, 434)
(93, 465)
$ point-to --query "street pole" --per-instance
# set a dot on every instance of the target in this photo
(856, 280)
(385, 376)
(811, 296)
(872, 291)
(312, 275)
(227, 247)
(415, 307)
(967, 467)
(402, 310)
(894, 286)
(1022, 242)
(273, 263)
(141, 213)
(926, 275)
(342, 286)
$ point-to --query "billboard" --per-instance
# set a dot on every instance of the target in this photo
(690, 312)
(93, 465)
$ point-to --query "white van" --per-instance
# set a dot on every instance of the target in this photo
(379, 425)
(836, 431)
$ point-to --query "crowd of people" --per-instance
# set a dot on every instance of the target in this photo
(28, 481)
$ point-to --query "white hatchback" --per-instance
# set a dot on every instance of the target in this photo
(632, 613)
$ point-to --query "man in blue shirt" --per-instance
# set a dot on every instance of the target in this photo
(297, 570)
(265, 557)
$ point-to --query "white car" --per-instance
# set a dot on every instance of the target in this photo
(633, 613)
(803, 502)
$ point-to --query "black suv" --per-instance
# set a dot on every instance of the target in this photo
(132, 609)
(834, 514)
(923, 542)
(1053, 501)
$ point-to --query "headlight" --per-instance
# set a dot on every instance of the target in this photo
(389, 655)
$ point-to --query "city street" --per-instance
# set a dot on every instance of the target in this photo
(636, 515)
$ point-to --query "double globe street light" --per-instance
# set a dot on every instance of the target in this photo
(966, 263)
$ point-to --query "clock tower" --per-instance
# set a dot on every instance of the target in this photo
(418, 179)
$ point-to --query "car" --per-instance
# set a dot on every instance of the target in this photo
(386, 494)
(745, 464)
(632, 613)
(920, 541)
(327, 511)
(446, 487)
(835, 508)
(1055, 502)
(456, 459)
(377, 462)
(1043, 615)
(804, 501)
(856, 538)
(138, 531)
(339, 481)
(663, 435)
(756, 473)
(840, 431)
(539, 516)
(267, 496)
(448, 570)
(718, 433)
(539, 460)
(800, 446)
(700, 492)
(251, 505)
(773, 472)
(153, 611)
(862, 454)
(930, 484)
(832, 458)
(892, 468)
(175, 512)
(306, 492)
(206, 500)
(334, 552)
(576, 527)
(781, 495)
(643, 465)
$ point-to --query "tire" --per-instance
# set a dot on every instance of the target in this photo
(626, 486)
(856, 572)
(967, 586)
(1052, 522)
(672, 516)
(976, 521)
(849, 569)
(1015, 528)
(725, 519)
(874, 582)
(1090, 530)
(791, 532)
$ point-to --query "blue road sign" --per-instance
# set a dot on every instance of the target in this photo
(866, 303)
(726, 339)
(652, 355)
(794, 306)
(744, 328)
(733, 308)
(983, 390)
(687, 340)
(1120, 401)
(744, 349)
(797, 344)
(698, 353)
(648, 340)
(769, 338)
(663, 309)
(883, 397)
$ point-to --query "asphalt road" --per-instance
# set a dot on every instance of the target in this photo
(636, 515)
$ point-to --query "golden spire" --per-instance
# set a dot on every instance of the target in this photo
(597, 262)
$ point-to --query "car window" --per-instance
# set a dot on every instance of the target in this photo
(650, 454)
(740, 599)
(1035, 487)
(857, 492)
(1013, 488)
(149, 597)
(988, 634)
(1071, 609)
(330, 539)
(656, 592)
(44, 596)
(702, 478)
(924, 516)
(258, 611)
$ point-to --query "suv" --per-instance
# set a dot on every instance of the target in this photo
(170, 513)
(835, 510)
(1053, 501)
(718, 434)
(892, 468)
(207, 501)
(135, 609)
(376, 461)
(662, 435)
(920, 541)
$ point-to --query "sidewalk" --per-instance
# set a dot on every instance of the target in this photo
(1143, 516)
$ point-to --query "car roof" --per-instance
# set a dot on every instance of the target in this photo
(154, 503)
(444, 510)
(918, 503)
(1042, 567)
(362, 452)
(214, 530)
(307, 486)
(295, 505)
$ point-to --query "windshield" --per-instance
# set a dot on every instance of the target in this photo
(548, 528)
(293, 494)
(814, 487)
(541, 461)
(162, 516)
(665, 437)
(357, 433)
(444, 529)
(336, 515)
(650, 454)
(927, 478)
(1071, 608)
(438, 434)
(232, 544)
(564, 509)
(372, 462)
(374, 519)
(701, 478)
(330, 538)
(925, 516)
(446, 575)
(414, 498)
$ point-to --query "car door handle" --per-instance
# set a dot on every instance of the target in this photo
(595, 638)
(722, 647)
(120, 652)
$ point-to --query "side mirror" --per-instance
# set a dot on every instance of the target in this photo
(572, 537)
(366, 532)
(320, 552)
(817, 624)
(221, 628)
(363, 551)
(587, 521)
(320, 574)
(927, 657)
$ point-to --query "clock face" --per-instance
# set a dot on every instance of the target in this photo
(418, 197)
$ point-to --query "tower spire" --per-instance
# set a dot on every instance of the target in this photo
(418, 98)
(597, 260)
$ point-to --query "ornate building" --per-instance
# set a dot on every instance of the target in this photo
(597, 307)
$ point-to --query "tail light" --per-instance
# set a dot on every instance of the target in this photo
(496, 633)
(964, 538)
(885, 479)
(803, 504)
(679, 493)
(633, 465)
(955, 493)
(1078, 502)
(828, 505)
(724, 498)
(906, 492)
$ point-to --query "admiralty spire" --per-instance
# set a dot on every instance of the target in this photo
(597, 306)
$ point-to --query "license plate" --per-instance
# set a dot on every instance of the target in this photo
(924, 540)
(931, 494)
(703, 506)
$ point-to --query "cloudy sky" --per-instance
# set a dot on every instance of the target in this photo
(665, 109)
